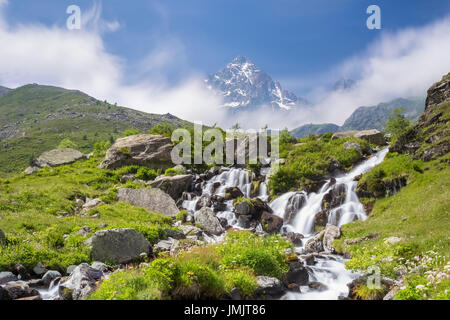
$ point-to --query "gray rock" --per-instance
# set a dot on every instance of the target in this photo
(206, 219)
(7, 276)
(392, 240)
(175, 234)
(39, 269)
(101, 266)
(271, 223)
(92, 203)
(19, 289)
(153, 199)
(244, 208)
(4, 295)
(81, 283)
(163, 246)
(153, 151)
(70, 269)
(297, 274)
(331, 233)
(315, 244)
(117, 245)
(269, 286)
(352, 145)
(57, 157)
(190, 230)
(49, 276)
(84, 231)
(173, 186)
(31, 170)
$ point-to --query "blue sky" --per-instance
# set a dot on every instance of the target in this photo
(153, 55)
(288, 39)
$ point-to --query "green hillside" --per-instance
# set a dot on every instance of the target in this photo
(310, 129)
(36, 118)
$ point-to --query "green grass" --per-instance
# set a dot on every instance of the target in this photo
(32, 209)
(202, 273)
(419, 214)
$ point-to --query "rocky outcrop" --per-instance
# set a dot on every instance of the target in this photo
(173, 186)
(142, 149)
(81, 283)
(152, 199)
(117, 245)
(54, 158)
(207, 220)
(331, 233)
(315, 244)
(373, 136)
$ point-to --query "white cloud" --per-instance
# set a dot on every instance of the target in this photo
(79, 60)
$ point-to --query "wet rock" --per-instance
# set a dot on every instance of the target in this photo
(81, 283)
(7, 276)
(233, 193)
(36, 283)
(293, 206)
(153, 199)
(148, 150)
(207, 220)
(297, 274)
(117, 245)
(295, 238)
(294, 287)
(315, 244)
(309, 259)
(17, 290)
(173, 185)
(4, 295)
(203, 201)
(244, 207)
(269, 287)
(271, 223)
(245, 221)
(331, 233)
(49, 276)
(22, 272)
(318, 286)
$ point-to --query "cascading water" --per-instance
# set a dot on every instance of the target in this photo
(329, 270)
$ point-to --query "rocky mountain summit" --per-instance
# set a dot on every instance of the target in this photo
(242, 85)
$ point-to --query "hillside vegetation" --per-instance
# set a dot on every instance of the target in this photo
(36, 118)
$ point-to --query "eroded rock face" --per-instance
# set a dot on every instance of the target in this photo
(173, 186)
(54, 158)
(81, 283)
(117, 245)
(331, 233)
(153, 199)
(142, 149)
(207, 220)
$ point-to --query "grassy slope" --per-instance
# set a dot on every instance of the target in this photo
(42, 116)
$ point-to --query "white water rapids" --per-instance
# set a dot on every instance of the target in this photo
(329, 270)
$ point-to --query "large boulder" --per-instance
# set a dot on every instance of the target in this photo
(6, 277)
(206, 219)
(49, 276)
(175, 185)
(142, 149)
(315, 244)
(373, 136)
(271, 223)
(19, 289)
(57, 157)
(117, 245)
(297, 274)
(81, 283)
(152, 199)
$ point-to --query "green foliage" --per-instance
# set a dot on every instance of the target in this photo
(311, 159)
(397, 125)
(66, 143)
(130, 132)
(182, 215)
(164, 129)
(173, 172)
(125, 151)
(144, 173)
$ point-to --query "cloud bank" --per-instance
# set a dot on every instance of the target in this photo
(400, 64)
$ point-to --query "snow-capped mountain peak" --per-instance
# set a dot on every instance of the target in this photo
(242, 84)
